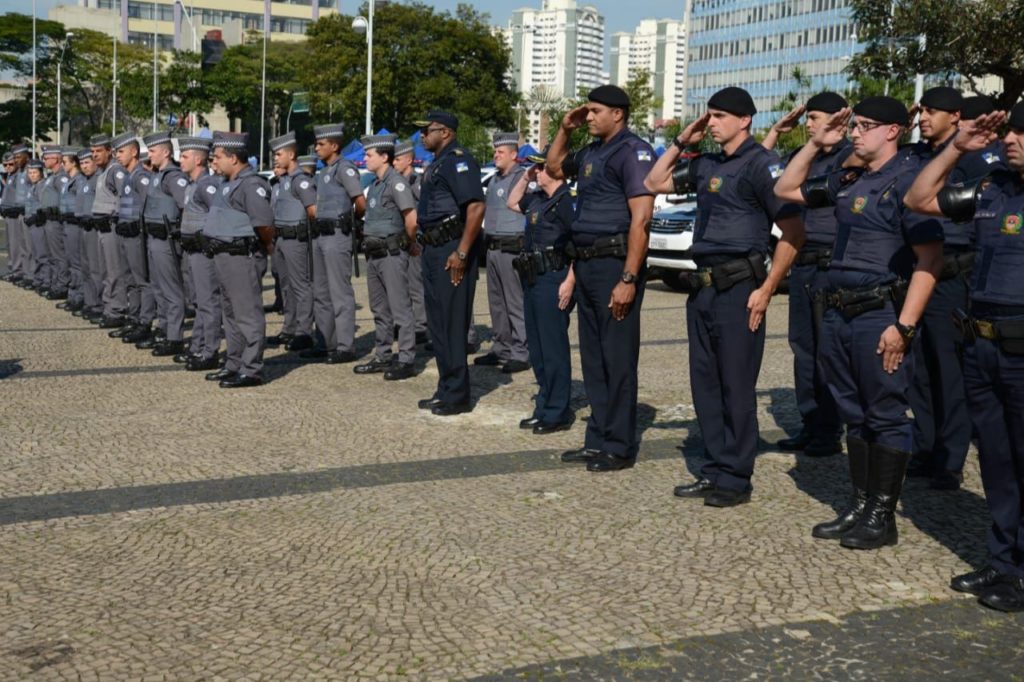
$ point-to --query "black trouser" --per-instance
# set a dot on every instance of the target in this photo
(813, 399)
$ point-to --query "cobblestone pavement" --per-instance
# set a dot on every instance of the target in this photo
(320, 526)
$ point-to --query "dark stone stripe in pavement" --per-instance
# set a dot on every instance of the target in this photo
(111, 500)
(139, 369)
(43, 330)
(957, 639)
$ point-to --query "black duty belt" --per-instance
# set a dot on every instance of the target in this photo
(243, 246)
(12, 211)
(86, 223)
(854, 302)
(954, 264)
(323, 227)
(300, 232)
(725, 276)
(1009, 334)
(379, 247)
(532, 264)
(821, 257)
(51, 213)
(69, 218)
(614, 246)
(128, 229)
(505, 244)
(441, 232)
(102, 224)
(193, 243)
(159, 231)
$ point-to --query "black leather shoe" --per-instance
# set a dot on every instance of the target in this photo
(375, 366)
(450, 409)
(63, 305)
(241, 381)
(702, 487)
(472, 348)
(1006, 595)
(147, 343)
(514, 366)
(544, 428)
(56, 295)
(606, 461)
(340, 357)
(220, 375)
(823, 447)
(313, 354)
(580, 455)
(168, 348)
(797, 442)
(202, 365)
(489, 360)
(920, 466)
(428, 403)
(400, 371)
(279, 340)
(726, 497)
(422, 338)
(122, 331)
(138, 334)
(529, 423)
(111, 322)
(947, 480)
(183, 358)
(300, 342)
(976, 582)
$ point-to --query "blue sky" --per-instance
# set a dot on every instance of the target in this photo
(619, 16)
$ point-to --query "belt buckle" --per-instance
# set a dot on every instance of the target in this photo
(704, 277)
(985, 329)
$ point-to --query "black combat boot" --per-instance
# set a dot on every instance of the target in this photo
(877, 525)
(857, 451)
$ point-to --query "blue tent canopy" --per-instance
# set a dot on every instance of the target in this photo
(527, 150)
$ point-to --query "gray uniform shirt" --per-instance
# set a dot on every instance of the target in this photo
(388, 198)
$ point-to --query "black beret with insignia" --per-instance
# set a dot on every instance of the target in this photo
(733, 100)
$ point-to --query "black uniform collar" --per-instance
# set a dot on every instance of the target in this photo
(744, 148)
(448, 149)
(598, 143)
(836, 148)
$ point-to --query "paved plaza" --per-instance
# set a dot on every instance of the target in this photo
(153, 526)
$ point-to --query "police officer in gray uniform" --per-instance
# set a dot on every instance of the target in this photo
(339, 201)
(112, 176)
(503, 228)
(35, 220)
(141, 304)
(53, 231)
(161, 214)
(293, 199)
(92, 263)
(207, 330)
(12, 219)
(239, 229)
(389, 234)
(307, 163)
(20, 262)
(72, 230)
(404, 155)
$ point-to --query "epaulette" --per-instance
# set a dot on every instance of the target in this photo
(458, 152)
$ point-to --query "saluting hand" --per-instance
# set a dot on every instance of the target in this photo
(575, 118)
(694, 133)
(891, 346)
(622, 300)
(456, 268)
(834, 130)
(790, 120)
(979, 133)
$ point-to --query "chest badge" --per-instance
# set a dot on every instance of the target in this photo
(715, 184)
(859, 204)
(534, 217)
(373, 203)
(1012, 223)
(588, 170)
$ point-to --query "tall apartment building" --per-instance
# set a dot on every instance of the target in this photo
(138, 21)
(756, 46)
(560, 46)
(657, 46)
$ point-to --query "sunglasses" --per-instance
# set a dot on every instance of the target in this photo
(428, 130)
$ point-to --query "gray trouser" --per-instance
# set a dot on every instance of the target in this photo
(334, 301)
(207, 331)
(419, 310)
(296, 286)
(40, 257)
(17, 246)
(387, 281)
(93, 271)
(116, 276)
(141, 304)
(505, 298)
(59, 275)
(73, 252)
(165, 271)
(245, 326)
(186, 280)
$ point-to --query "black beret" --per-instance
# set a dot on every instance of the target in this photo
(944, 98)
(973, 107)
(827, 102)
(442, 117)
(733, 100)
(1016, 119)
(610, 96)
(882, 109)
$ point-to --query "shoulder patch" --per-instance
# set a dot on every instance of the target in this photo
(304, 184)
(145, 181)
(462, 167)
(350, 172)
(458, 152)
(400, 186)
(776, 170)
(643, 155)
(120, 174)
(182, 182)
(210, 189)
(262, 192)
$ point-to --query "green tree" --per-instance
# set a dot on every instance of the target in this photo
(642, 103)
(966, 39)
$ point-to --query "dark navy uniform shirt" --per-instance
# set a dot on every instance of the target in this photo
(548, 219)
(451, 182)
(820, 223)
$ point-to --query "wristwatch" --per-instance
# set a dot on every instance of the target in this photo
(461, 254)
(907, 331)
(628, 277)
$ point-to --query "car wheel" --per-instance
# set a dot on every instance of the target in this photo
(675, 280)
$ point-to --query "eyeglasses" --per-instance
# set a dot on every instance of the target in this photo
(864, 126)
(428, 130)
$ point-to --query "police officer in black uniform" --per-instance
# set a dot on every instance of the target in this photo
(821, 429)
(609, 237)
(994, 352)
(450, 214)
(942, 429)
(872, 313)
(548, 284)
(731, 288)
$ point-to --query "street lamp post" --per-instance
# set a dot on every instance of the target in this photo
(195, 41)
(67, 38)
(359, 24)
(34, 39)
